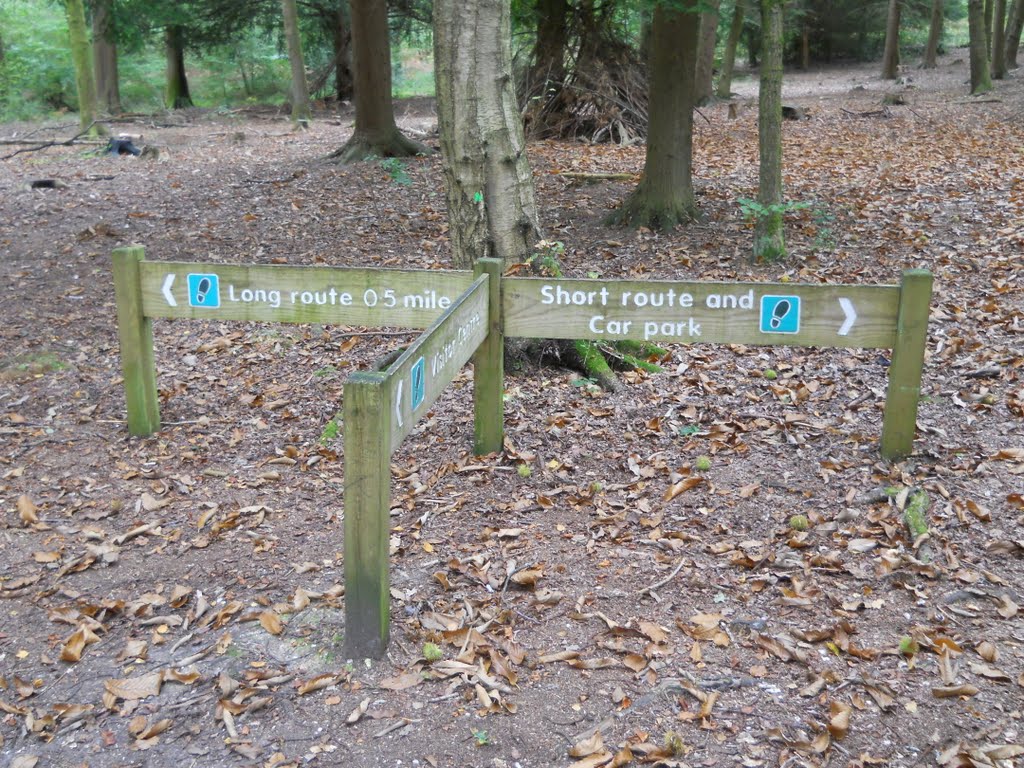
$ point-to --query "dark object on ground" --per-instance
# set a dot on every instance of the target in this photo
(47, 184)
(122, 147)
(793, 113)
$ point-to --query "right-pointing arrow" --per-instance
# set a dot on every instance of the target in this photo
(851, 316)
(168, 282)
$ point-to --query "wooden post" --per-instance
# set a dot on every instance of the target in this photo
(136, 332)
(901, 400)
(367, 428)
(489, 368)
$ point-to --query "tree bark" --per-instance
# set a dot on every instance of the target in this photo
(729, 55)
(891, 57)
(341, 37)
(999, 40)
(178, 96)
(104, 57)
(988, 28)
(1013, 33)
(931, 50)
(550, 47)
(375, 134)
(80, 55)
(703, 80)
(301, 113)
(769, 233)
(981, 78)
(665, 196)
(492, 211)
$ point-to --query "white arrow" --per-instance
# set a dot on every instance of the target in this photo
(398, 403)
(166, 290)
(851, 316)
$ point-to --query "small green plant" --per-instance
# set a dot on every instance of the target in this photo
(327, 370)
(595, 487)
(824, 235)
(432, 652)
(395, 168)
(689, 429)
(769, 374)
(799, 523)
(674, 744)
(546, 258)
(702, 464)
(524, 470)
(331, 430)
(908, 646)
(481, 738)
(753, 210)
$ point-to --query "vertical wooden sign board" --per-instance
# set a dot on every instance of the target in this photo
(380, 409)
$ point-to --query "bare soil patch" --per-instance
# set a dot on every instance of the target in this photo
(576, 584)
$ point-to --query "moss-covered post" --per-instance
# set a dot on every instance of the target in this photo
(367, 425)
(136, 332)
(81, 55)
(489, 368)
(769, 234)
(907, 364)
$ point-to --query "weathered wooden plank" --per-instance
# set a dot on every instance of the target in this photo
(286, 294)
(136, 335)
(489, 369)
(367, 499)
(419, 376)
(691, 312)
(904, 391)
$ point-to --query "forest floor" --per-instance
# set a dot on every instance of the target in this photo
(658, 614)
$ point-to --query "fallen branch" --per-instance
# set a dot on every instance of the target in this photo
(66, 143)
(663, 582)
(590, 177)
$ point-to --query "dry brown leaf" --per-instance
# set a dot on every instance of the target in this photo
(952, 691)
(634, 661)
(685, 484)
(588, 746)
(989, 672)
(402, 682)
(1007, 608)
(594, 761)
(988, 651)
(839, 719)
(318, 683)
(27, 513)
(24, 761)
(947, 667)
(152, 504)
(883, 695)
(356, 714)
(548, 658)
(271, 622)
(136, 688)
(604, 662)
(77, 643)
(528, 578)
(156, 729)
(654, 631)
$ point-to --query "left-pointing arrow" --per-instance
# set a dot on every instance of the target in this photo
(166, 290)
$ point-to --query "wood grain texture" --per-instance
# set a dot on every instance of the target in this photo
(586, 309)
(489, 369)
(136, 336)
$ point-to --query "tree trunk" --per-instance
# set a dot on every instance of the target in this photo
(704, 78)
(931, 50)
(550, 47)
(665, 196)
(1013, 33)
(999, 40)
(375, 134)
(988, 28)
(341, 37)
(301, 112)
(805, 47)
(177, 81)
(80, 55)
(492, 211)
(729, 55)
(104, 57)
(891, 57)
(769, 234)
(981, 78)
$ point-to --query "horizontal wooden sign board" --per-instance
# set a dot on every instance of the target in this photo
(283, 294)
(723, 313)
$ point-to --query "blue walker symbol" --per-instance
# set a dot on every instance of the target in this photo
(418, 376)
(780, 314)
(204, 291)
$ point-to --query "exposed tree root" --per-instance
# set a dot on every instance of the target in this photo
(640, 211)
(365, 147)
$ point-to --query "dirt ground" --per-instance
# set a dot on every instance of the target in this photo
(624, 579)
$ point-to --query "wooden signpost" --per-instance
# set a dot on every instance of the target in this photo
(468, 315)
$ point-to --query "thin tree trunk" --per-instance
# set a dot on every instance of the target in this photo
(341, 37)
(729, 55)
(999, 40)
(80, 55)
(988, 28)
(1013, 33)
(891, 57)
(552, 41)
(178, 96)
(769, 234)
(104, 57)
(704, 79)
(301, 112)
(664, 196)
(375, 134)
(805, 47)
(931, 50)
(492, 211)
(981, 78)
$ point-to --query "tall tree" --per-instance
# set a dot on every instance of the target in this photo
(989, 7)
(999, 40)
(931, 49)
(301, 112)
(891, 57)
(981, 77)
(551, 44)
(375, 134)
(80, 55)
(1013, 32)
(488, 184)
(104, 57)
(769, 233)
(664, 196)
(704, 77)
(724, 90)
(177, 96)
